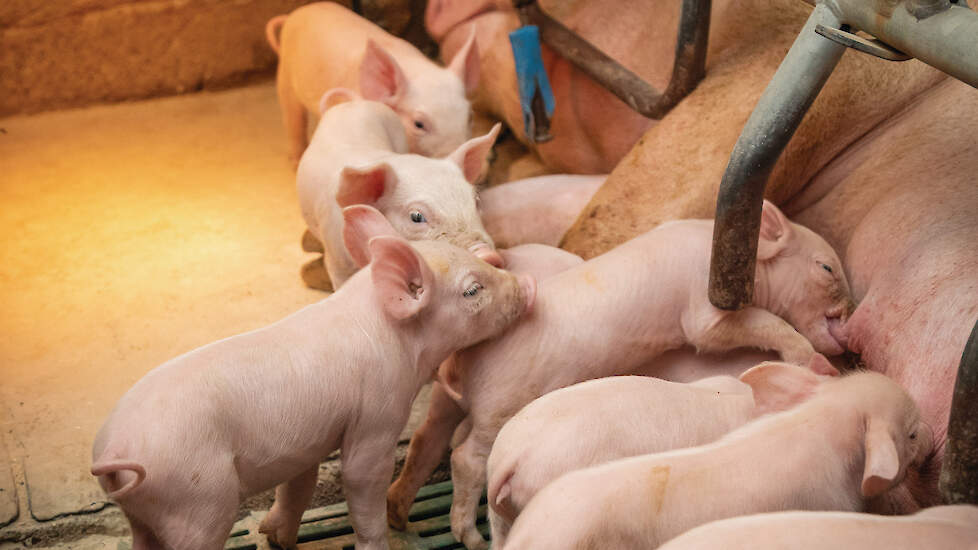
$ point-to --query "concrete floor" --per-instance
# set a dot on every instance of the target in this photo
(130, 234)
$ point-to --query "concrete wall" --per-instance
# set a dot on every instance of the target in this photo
(66, 53)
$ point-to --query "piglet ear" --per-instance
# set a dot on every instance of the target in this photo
(360, 224)
(819, 364)
(779, 386)
(365, 185)
(471, 155)
(465, 64)
(402, 280)
(882, 470)
(381, 78)
(776, 232)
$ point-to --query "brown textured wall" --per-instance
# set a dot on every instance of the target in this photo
(66, 53)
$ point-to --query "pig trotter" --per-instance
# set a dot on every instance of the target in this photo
(315, 276)
(291, 499)
(310, 243)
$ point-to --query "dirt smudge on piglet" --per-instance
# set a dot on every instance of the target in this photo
(658, 481)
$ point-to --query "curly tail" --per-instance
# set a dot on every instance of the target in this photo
(273, 31)
(112, 467)
(499, 493)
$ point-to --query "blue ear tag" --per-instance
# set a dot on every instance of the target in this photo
(535, 92)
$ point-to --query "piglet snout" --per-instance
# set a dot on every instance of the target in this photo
(838, 331)
(488, 254)
(528, 286)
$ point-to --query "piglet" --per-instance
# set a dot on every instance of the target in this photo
(260, 409)
(850, 440)
(946, 527)
(536, 210)
(444, 414)
(324, 45)
(613, 315)
(358, 155)
(610, 418)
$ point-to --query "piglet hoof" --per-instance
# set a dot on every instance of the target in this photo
(315, 276)
(472, 539)
(279, 533)
(397, 509)
(310, 243)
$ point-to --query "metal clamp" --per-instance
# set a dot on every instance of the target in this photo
(871, 46)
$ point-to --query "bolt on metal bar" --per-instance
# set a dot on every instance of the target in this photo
(774, 120)
(959, 474)
(688, 66)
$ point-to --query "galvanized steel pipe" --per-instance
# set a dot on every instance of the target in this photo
(774, 120)
(946, 37)
(959, 474)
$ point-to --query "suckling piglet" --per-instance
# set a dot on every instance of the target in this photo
(613, 315)
(260, 409)
(938, 528)
(606, 419)
(358, 156)
(617, 312)
(324, 45)
(851, 439)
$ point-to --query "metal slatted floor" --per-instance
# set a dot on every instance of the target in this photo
(329, 528)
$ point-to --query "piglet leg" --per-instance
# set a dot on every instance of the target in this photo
(315, 276)
(310, 243)
(293, 117)
(428, 446)
(291, 499)
(368, 465)
(469, 477)
(499, 528)
(756, 328)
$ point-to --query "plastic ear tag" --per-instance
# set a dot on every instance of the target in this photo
(536, 97)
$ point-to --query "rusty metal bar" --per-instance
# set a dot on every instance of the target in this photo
(774, 120)
(959, 474)
(688, 66)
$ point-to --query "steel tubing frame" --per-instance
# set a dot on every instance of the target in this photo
(938, 33)
(774, 120)
(687, 70)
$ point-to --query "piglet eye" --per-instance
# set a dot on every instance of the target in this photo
(472, 290)
(419, 125)
(417, 217)
(826, 268)
(913, 435)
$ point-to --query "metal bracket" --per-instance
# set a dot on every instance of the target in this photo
(871, 46)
